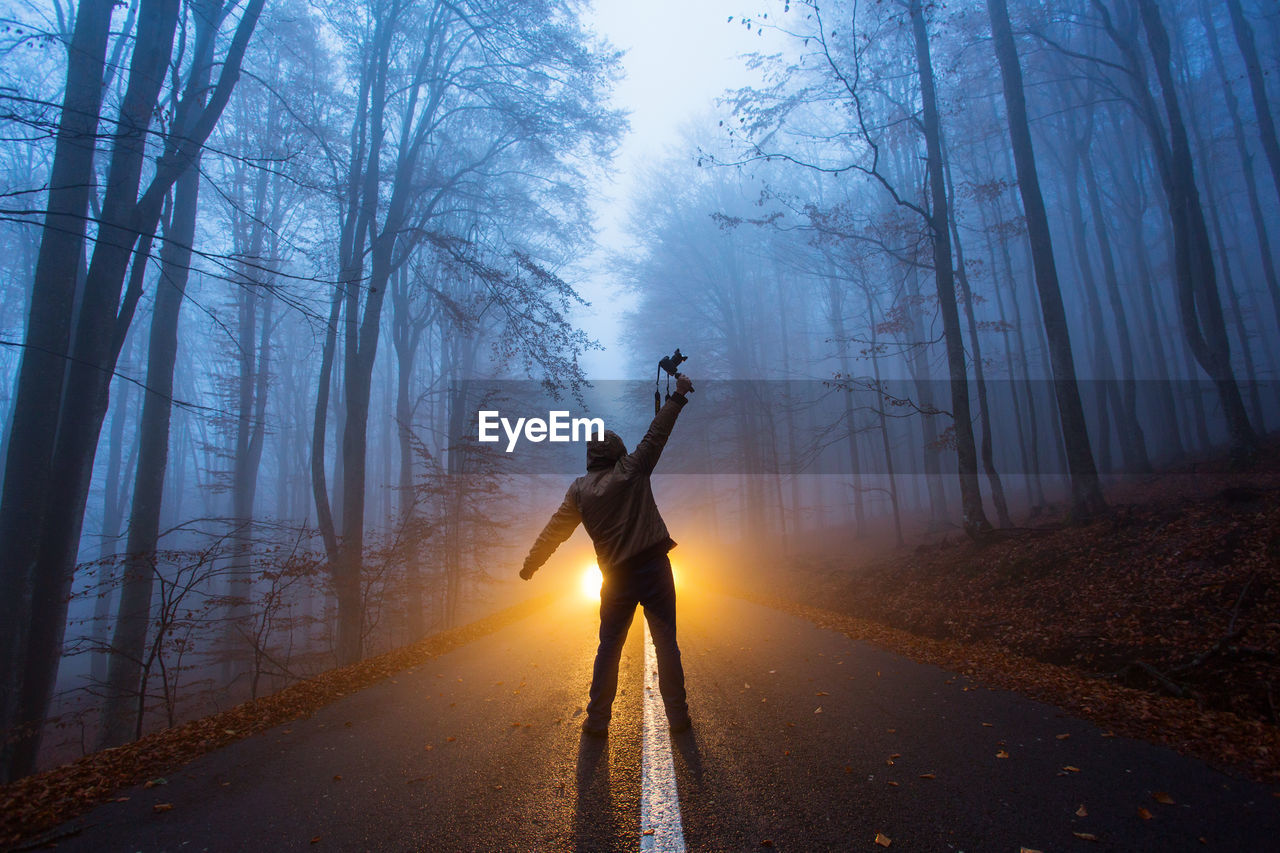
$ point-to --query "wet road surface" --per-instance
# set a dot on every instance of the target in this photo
(803, 740)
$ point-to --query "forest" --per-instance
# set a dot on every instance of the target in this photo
(941, 270)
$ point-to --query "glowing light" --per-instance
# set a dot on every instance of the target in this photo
(591, 581)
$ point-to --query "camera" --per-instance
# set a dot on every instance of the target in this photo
(671, 363)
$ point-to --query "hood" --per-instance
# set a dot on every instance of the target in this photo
(606, 452)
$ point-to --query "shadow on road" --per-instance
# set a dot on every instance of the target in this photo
(595, 818)
(688, 754)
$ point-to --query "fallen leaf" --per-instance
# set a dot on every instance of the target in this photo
(896, 755)
(315, 839)
(928, 776)
(1082, 811)
(1002, 754)
(337, 777)
(1143, 813)
(1085, 836)
(162, 807)
(888, 762)
(152, 783)
(428, 748)
(823, 693)
(1028, 850)
(882, 839)
(450, 739)
(893, 784)
(988, 725)
(817, 710)
(1062, 736)
(848, 769)
(647, 832)
(1071, 768)
(1163, 798)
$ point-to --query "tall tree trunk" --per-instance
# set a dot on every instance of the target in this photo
(974, 517)
(1028, 435)
(1257, 88)
(926, 390)
(885, 446)
(33, 420)
(1086, 494)
(1246, 159)
(835, 311)
(979, 371)
(1198, 301)
(121, 703)
(112, 520)
(1133, 443)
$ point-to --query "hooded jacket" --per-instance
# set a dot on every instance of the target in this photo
(614, 501)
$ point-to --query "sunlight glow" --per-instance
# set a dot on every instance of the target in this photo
(591, 581)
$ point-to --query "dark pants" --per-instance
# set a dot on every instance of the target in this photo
(650, 586)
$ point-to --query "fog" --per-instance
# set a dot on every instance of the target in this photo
(938, 271)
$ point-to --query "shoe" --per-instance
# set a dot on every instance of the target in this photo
(591, 729)
(681, 725)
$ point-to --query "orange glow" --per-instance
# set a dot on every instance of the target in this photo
(591, 581)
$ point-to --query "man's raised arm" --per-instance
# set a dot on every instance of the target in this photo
(650, 447)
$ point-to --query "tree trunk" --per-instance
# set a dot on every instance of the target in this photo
(1199, 305)
(33, 420)
(1086, 494)
(974, 517)
(1242, 148)
(1257, 88)
(979, 372)
(129, 640)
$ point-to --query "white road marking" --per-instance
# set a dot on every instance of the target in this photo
(660, 828)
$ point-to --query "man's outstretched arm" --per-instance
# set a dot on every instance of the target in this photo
(650, 447)
(559, 528)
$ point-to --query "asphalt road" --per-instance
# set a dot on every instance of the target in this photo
(803, 740)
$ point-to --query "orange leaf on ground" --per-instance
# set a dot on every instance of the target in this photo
(1002, 754)
(1062, 736)
(1163, 798)
(1082, 811)
(883, 840)
(928, 776)
(1087, 836)
(162, 807)
(1143, 813)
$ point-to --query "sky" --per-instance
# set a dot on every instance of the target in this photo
(681, 55)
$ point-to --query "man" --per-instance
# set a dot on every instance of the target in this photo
(614, 502)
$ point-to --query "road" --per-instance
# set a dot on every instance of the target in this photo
(804, 740)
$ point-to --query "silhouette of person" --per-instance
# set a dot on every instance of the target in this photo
(614, 502)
